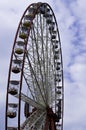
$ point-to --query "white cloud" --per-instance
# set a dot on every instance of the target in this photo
(79, 9)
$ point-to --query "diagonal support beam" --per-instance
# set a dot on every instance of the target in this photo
(30, 101)
(32, 120)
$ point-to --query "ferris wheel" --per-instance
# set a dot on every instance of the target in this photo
(35, 92)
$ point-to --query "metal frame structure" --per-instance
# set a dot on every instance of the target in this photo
(35, 89)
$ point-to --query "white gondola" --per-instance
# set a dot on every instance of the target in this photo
(49, 19)
(51, 27)
(19, 49)
(30, 15)
(58, 66)
(23, 32)
(32, 9)
(57, 51)
(58, 92)
(55, 43)
(58, 78)
(12, 110)
(16, 66)
(56, 56)
(42, 9)
(47, 14)
(53, 36)
(27, 22)
(13, 87)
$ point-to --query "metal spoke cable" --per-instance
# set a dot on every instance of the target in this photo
(29, 87)
(32, 71)
(39, 61)
(41, 71)
(42, 40)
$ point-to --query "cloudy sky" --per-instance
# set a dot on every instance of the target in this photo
(71, 18)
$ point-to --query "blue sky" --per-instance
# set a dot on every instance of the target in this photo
(71, 19)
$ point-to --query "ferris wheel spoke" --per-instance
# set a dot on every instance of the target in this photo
(29, 87)
(31, 84)
(47, 62)
(33, 73)
(29, 118)
(40, 124)
(33, 120)
(33, 87)
(45, 48)
(42, 40)
(37, 52)
(30, 101)
(42, 57)
(39, 58)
